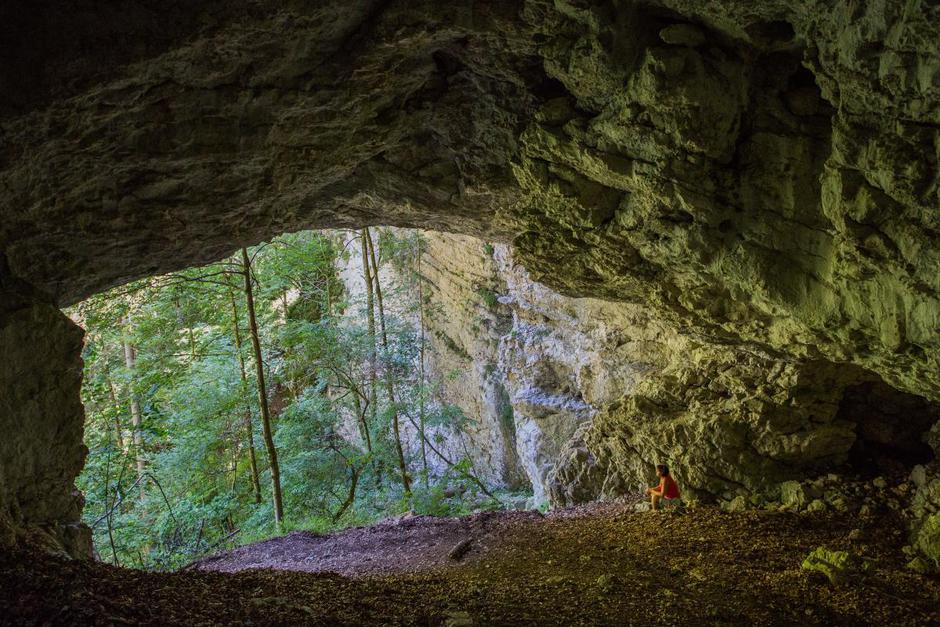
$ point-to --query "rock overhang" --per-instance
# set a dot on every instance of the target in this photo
(762, 177)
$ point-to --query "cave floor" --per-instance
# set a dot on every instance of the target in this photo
(602, 565)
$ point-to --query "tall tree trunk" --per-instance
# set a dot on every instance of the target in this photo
(421, 374)
(363, 423)
(192, 343)
(117, 413)
(389, 381)
(130, 360)
(329, 297)
(262, 392)
(255, 479)
(370, 313)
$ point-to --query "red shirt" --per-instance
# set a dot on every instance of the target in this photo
(668, 488)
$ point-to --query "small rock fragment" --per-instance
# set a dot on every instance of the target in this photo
(458, 619)
(919, 565)
(460, 550)
(816, 506)
(683, 35)
(607, 583)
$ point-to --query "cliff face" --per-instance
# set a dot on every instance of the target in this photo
(586, 396)
(599, 392)
(529, 364)
(768, 181)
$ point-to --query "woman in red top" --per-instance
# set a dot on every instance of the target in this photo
(667, 487)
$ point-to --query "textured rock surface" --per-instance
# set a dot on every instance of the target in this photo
(766, 174)
(839, 567)
(763, 179)
(258, 119)
(464, 323)
(776, 184)
(525, 364)
(564, 359)
(41, 419)
(732, 423)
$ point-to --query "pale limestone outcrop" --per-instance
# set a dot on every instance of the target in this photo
(564, 359)
(462, 330)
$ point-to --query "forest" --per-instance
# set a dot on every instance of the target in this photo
(241, 400)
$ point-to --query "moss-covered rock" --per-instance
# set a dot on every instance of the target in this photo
(839, 567)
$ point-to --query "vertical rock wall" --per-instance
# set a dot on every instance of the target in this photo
(41, 422)
(464, 322)
(585, 396)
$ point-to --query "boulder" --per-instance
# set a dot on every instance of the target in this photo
(839, 567)
(793, 494)
(927, 540)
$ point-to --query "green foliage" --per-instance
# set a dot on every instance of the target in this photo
(488, 296)
(194, 381)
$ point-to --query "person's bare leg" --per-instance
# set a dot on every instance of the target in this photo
(654, 498)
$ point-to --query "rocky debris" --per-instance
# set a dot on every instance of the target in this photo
(927, 539)
(460, 549)
(921, 566)
(608, 583)
(839, 567)
(925, 507)
(458, 619)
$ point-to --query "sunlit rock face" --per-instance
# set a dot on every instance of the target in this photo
(525, 366)
(760, 179)
(564, 359)
(595, 393)
(767, 176)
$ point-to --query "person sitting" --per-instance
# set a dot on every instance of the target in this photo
(667, 488)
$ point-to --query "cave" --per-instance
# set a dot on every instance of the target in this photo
(891, 429)
(715, 225)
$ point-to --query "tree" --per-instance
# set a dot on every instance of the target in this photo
(243, 377)
(130, 359)
(389, 381)
(324, 375)
(262, 391)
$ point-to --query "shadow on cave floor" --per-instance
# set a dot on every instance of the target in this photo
(599, 565)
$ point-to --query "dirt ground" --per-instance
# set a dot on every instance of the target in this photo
(602, 565)
(407, 544)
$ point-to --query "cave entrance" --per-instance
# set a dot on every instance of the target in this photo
(891, 426)
(289, 386)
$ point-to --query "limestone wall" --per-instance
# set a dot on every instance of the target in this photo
(41, 422)
(580, 397)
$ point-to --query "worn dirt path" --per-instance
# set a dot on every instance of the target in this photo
(406, 544)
